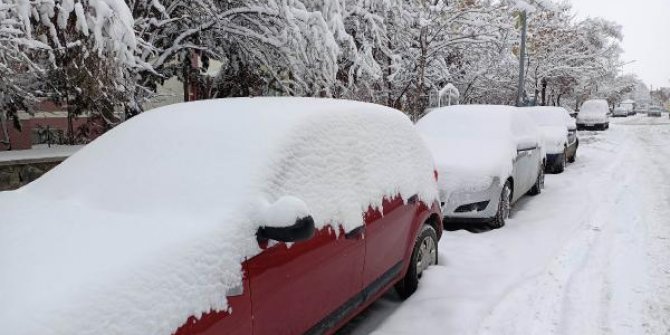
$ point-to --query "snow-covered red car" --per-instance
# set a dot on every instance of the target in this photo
(234, 216)
(490, 156)
(559, 134)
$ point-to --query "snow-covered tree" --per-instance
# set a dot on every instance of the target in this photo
(265, 47)
(19, 74)
(87, 49)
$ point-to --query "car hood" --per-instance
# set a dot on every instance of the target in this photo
(554, 138)
(470, 165)
(65, 264)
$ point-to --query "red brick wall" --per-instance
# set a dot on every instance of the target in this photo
(22, 140)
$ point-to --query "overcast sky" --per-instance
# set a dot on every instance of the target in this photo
(646, 28)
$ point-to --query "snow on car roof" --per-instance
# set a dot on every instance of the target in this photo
(472, 144)
(468, 121)
(149, 224)
(597, 106)
(548, 116)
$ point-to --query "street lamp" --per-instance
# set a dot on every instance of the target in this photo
(522, 58)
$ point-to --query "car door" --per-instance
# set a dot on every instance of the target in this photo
(528, 150)
(308, 286)
(386, 239)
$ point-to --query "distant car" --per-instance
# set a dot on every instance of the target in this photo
(254, 216)
(559, 133)
(620, 112)
(490, 156)
(629, 106)
(593, 115)
(642, 109)
(655, 111)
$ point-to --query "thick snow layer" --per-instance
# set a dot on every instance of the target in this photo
(593, 111)
(554, 123)
(587, 256)
(149, 224)
(472, 145)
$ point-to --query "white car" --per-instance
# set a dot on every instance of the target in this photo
(620, 111)
(490, 156)
(559, 132)
(594, 115)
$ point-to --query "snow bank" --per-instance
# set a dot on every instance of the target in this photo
(160, 235)
(472, 145)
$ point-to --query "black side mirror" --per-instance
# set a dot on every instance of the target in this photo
(302, 230)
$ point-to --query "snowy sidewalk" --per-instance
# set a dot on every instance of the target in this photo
(55, 152)
(587, 256)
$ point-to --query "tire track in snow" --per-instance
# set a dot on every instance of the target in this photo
(568, 297)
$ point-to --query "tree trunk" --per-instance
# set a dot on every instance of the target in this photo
(544, 91)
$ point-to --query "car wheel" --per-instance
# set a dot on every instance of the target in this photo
(423, 256)
(539, 183)
(573, 158)
(504, 206)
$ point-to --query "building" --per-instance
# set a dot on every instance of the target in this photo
(47, 126)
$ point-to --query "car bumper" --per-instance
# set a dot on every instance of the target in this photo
(553, 161)
(450, 207)
(592, 125)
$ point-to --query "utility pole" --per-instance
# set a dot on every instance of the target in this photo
(522, 58)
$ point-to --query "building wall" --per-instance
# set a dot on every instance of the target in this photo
(24, 139)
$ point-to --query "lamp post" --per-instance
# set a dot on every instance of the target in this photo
(522, 58)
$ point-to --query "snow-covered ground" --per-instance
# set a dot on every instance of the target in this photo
(590, 255)
(40, 152)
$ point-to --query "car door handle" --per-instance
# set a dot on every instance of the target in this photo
(355, 234)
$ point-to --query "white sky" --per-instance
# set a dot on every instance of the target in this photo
(646, 28)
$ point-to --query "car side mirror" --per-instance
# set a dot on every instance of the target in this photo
(302, 230)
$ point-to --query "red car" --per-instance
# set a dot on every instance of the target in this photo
(234, 216)
(317, 285)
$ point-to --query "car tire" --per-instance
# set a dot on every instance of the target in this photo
(424, 255)
(573, 158)
(539, 183)
(560, 167)
(504, 206)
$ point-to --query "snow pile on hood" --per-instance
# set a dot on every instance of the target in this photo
(472, 145)
(594, 110)
(150, 223)
(554, 123)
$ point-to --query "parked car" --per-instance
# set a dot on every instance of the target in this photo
(593, 115)
(491, 156)
(559, 133)
(234, 216)
(655, 111)
(629, 106)
(620, 112)
(642, 109)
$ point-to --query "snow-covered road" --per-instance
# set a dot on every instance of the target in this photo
(590, 255)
